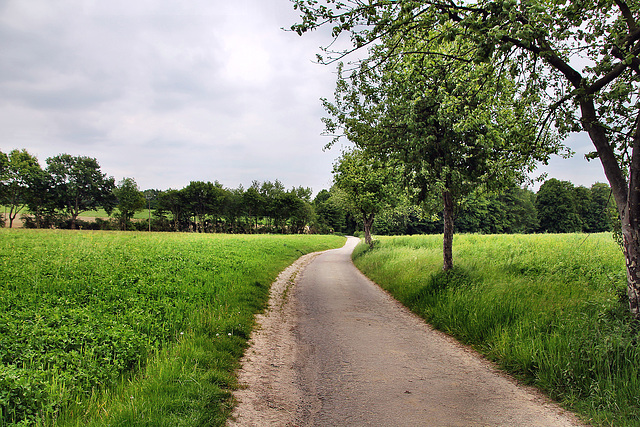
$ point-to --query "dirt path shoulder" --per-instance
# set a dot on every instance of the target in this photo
(269, 395)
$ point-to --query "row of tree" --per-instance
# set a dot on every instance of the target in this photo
(70, 185)
(209, 207)
(466, 96)
(557, 207)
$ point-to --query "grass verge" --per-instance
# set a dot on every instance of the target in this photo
(130, 329)
(549, 309)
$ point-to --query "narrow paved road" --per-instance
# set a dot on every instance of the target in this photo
(355, 357)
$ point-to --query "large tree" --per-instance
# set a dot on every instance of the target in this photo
(557, 207)
(42, 200)
(365, 184)
(295, 209)
(205, 200)
(174, 202)
(4, 162)
(603, 212)
(456, 127)
(329, 215)
(583, 54)
(18, 171)
(80, 185)
(271, 193)
(130, 200)
(253, 202)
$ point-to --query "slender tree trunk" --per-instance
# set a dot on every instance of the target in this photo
(447, 246)
(13, 212)
(368, 223)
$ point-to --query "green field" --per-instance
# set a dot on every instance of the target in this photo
(130, 328)
(550, 309)
(100, 213)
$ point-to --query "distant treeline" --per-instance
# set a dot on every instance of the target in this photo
(209, 207)
(557, 207)
(58, 195)
(70, 186)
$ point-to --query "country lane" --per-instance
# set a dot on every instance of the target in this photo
(342, 352)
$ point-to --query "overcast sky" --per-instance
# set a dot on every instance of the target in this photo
(170, 91)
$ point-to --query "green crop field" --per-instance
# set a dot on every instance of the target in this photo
(550, 309)
(130, 328)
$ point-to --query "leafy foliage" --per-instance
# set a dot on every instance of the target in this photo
(19, 170)
(365, 184)
(79, 185)
(456, 127)
(557, 207)
(580, 59)
(130, 200)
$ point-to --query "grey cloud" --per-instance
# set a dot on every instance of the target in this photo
(166, 91)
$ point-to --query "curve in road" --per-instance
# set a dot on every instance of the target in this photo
(341, 352)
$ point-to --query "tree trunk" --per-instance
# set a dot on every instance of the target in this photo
(631, 245)
(447, 246)
(368, 222)
(12, 216)
(73, 221)
(626, 195)
(630, 222)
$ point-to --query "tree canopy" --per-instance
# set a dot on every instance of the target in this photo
(80, 185)
(581, 59)
(129, 200)
(365, 183)
(18, 172)
(456, 127)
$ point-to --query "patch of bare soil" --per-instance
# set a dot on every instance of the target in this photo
(269, 394)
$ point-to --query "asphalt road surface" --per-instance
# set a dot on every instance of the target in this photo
(336, 350)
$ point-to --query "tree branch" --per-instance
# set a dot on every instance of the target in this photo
(628, 16)
(607, 78)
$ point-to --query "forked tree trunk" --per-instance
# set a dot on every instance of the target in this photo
(447, 245)
(12, 217)
(368, 223)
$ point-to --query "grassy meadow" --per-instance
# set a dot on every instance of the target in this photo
(126, 329)
(549, 309)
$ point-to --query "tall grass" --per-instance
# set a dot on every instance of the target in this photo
(109, 328)
(549, 309)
